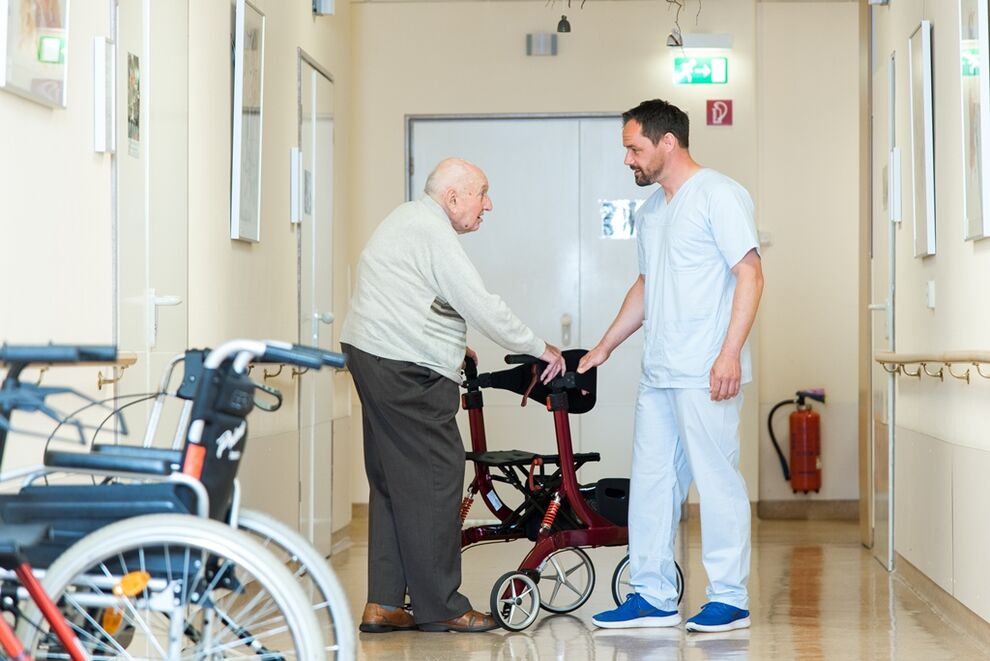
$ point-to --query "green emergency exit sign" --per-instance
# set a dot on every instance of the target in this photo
(701, 70)
(971, 61)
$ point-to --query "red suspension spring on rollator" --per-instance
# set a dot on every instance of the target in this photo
(466, 504)
(551, 513)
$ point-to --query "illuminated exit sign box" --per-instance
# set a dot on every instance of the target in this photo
(701, 70)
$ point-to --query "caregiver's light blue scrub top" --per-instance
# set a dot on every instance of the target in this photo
(687, 249)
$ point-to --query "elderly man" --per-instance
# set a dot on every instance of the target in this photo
(405, 340)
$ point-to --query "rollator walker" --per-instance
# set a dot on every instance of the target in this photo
(561, 516)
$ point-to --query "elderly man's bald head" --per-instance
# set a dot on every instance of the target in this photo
(453, 173)
(461, 189)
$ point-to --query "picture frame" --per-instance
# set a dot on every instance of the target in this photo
(34, 50)
(246, 124)
(974, 43)
(922, 139)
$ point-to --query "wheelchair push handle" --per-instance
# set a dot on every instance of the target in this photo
(306, 356)
(293, 354)
(57, 353)
(271, 351)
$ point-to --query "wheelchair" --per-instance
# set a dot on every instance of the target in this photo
(137, 576)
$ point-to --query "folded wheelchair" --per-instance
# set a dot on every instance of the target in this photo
(146, 563)
(561, 516)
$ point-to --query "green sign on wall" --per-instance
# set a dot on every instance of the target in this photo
(971, 61)
(701, 70)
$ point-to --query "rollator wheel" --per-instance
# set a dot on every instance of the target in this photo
(515, 601)
(177, 587)
(313, 573)
(621, 586)
(568, 575)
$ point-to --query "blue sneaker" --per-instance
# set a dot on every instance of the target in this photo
(636, 612)
(716, 616)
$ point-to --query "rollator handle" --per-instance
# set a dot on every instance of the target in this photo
(521, 359)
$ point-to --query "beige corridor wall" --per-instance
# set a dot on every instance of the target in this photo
(941, 448)
(57, 265)
(57, 206)
(809, 138)
(239, 289)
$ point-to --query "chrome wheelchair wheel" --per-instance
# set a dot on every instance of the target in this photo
(314, 575)
(168, 586)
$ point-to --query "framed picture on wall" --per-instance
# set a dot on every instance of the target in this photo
(245, 164)
(34, 49)
(975, 102)
(922, 139)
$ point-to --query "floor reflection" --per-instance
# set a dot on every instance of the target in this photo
(815, 594)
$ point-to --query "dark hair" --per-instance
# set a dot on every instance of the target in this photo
(657, 118)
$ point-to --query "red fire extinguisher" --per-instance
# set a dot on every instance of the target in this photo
(805, 472)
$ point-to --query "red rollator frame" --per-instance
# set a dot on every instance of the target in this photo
(558, 514)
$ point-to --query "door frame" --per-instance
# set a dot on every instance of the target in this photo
(307, 487)
(410, 133)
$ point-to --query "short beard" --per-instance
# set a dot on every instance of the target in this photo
(642, 179)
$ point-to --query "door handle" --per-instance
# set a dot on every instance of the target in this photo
(565, 329)
(154, 302)
(320, 318)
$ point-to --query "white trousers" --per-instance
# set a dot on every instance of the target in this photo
(681, 434)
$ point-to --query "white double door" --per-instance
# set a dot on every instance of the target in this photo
(543, 250)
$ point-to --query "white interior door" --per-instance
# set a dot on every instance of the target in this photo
(885, 209)
(151, 184)
(316, 320)
(527, 249)
(546, 249)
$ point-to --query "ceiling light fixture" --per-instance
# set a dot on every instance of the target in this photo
(563, 25)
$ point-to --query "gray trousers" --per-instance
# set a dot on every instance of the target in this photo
(414, 458)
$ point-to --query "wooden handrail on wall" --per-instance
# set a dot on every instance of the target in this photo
(934, 365)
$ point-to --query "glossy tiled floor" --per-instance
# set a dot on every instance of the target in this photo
(815, 594)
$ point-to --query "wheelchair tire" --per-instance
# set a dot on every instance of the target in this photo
(314, 575)
(212, 590)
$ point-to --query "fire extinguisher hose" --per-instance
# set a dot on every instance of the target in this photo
(773, 437)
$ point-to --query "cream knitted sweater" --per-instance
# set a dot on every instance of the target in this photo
(417, 291)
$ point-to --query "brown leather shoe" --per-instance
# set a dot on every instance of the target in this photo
(471, 622)
(378, 619)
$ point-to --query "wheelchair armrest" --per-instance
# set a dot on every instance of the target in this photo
(102, 461)
(174, 457)
(14, 538)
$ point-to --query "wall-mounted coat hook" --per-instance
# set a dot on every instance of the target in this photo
(962, 377)
(266, 375)
(118, 374)
(296, 372)
(935, 375)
